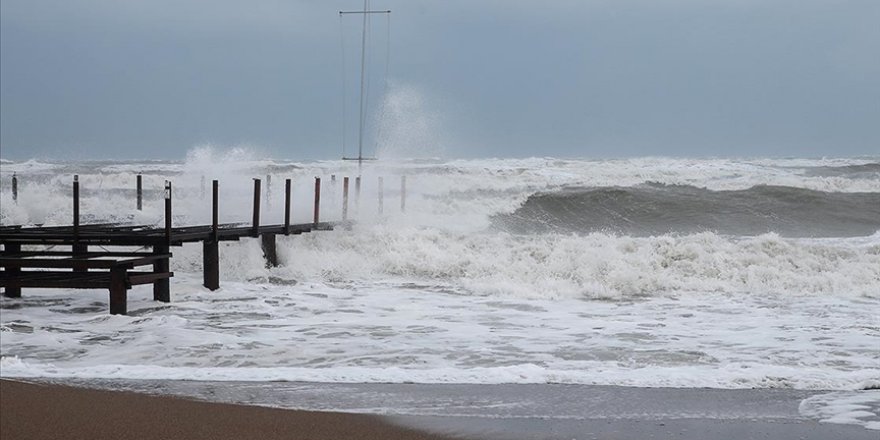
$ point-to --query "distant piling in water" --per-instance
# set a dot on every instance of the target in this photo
(14, 188)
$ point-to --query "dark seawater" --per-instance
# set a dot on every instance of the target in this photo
(653, 209)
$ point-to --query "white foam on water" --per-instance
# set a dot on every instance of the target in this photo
(850, 408)
(436, 295)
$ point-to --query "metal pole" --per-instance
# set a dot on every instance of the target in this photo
(363, 66)
(317, 198)
(287, 207)
(344, 198)
(140, 192)
(256, 220)
(381, 195)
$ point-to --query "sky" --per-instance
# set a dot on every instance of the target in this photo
(105, 79)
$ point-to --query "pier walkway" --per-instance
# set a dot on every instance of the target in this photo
(30, 258)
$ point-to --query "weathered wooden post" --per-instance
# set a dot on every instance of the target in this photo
(77, 248)
(357, 195)
(210, 247)
(215, 210)
(317, 199)
(140, 192)
(402, 193)
(267, 243)
(286, 206)
(381, 195)
(118, 292)
(256, 219)
(14, 188)
(162, 287)
(76, 205)
(344, 198)
(168, 212)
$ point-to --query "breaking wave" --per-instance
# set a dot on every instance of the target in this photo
(653, 209)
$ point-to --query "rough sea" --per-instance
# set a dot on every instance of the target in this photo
(647, 272)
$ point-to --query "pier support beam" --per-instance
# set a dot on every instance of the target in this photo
(267, 242)
(161, 288)
(12, 248)
(80, 249)
(118, 292)
(211, 264)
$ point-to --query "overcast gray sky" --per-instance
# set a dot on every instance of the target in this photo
(603, 78)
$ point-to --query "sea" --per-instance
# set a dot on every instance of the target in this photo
(751, 273)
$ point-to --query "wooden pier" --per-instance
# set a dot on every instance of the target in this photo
(29, 258)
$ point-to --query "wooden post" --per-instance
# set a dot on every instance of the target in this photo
(287, 207)
(118, 292)
(168, 212)
(357, 195)
(267, 242)
(14, 188)
(76, 206)
(211, 247)
(78, 250)
(215, 210)
(140, 192)
(402, 193)
(256, 220)
(211, 264)
(161, 288)
(344, 198)
(381, 195)
(8, 250)
(317, 198)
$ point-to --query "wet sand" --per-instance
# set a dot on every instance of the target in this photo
(157, 409)
(42, 411)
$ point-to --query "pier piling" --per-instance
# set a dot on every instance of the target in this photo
(402, 193)
(267, 242)
(168, 212)
(211, 246)
(381, 195)
(256, 219)
(14, 188)
(140, 192)
(357, 195)
(344, 198)
(287, 207)
(317, 199)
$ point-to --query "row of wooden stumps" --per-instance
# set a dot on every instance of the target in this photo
(210, 247)
(139, 190)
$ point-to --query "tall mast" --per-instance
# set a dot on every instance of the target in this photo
(362, 106)
(363, 64)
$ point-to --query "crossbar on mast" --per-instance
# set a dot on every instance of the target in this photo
(364, 12)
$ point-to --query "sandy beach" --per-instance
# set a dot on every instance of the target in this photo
(35, 411)
(51, 408)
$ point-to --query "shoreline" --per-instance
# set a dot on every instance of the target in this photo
(50, 411)
(413, 411)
